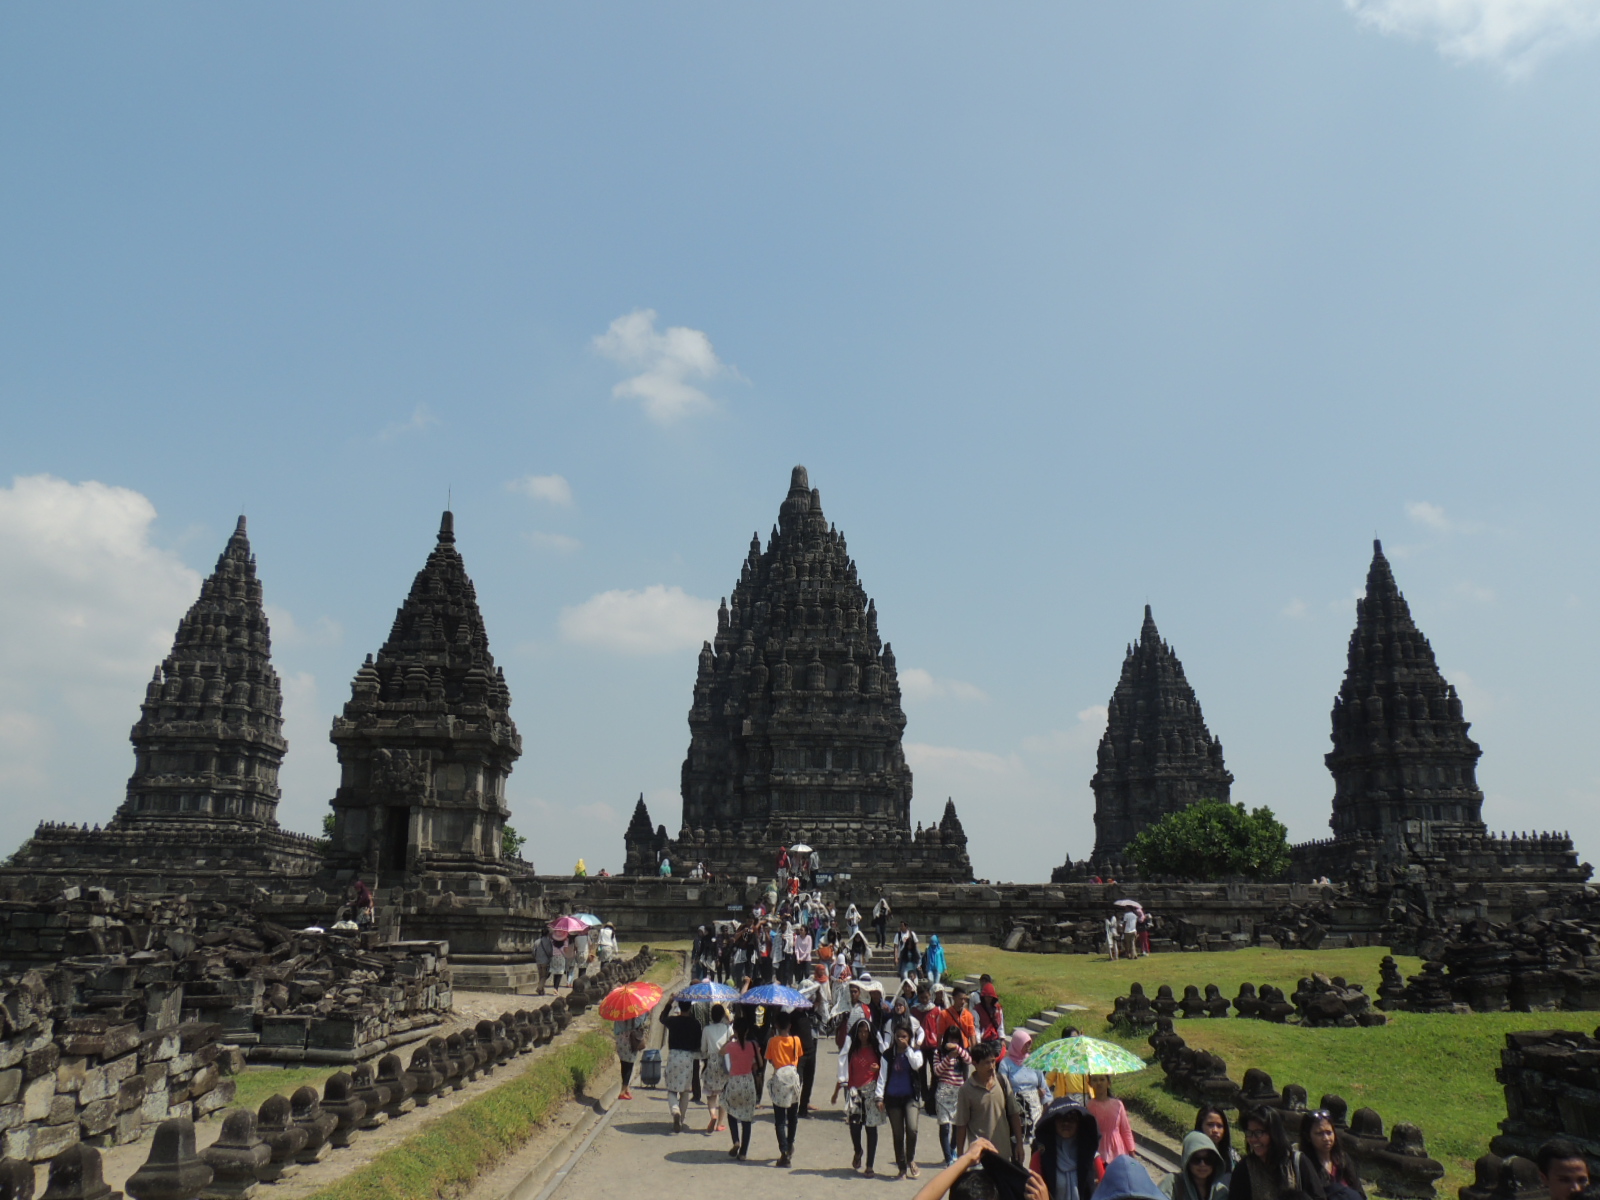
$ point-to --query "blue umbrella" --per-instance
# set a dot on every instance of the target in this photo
(708, 991)
(589, 919)
(775, 996)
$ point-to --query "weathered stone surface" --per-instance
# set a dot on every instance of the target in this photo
(173, 1171)
(236, 1158)
(75, 1174)
(795, 730)
(1156, 755)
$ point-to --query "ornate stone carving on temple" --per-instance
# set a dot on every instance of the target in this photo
(795, 731)
(426, 741)
(1156, 755)
(207, 748)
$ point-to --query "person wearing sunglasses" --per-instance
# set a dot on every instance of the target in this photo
(1271, 1167)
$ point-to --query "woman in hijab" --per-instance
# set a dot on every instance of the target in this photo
(989, 1015)
(1202, 1177)
(714, 1077)
(1064, 1151)
(933, 960)
(1028, 1084)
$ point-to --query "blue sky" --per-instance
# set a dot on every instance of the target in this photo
(1066, 308)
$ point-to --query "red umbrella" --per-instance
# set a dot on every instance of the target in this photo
(568, 925)
(629, 1001)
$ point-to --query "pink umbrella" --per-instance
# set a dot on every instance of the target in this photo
(568, 925)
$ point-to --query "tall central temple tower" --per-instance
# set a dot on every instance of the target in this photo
(796, 724)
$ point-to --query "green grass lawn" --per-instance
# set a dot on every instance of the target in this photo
(257, 1083)
(1434, 1071)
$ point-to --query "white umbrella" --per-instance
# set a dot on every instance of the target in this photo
(1127, 904)
(799, 848)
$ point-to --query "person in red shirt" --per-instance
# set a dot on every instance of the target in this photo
(859, 1069)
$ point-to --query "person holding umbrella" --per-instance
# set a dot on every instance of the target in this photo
(714, 1078)
(628, 1009)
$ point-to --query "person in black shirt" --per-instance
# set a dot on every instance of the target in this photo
(683, 1043)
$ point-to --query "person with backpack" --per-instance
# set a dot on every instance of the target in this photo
(986, 1107)
(1271, 1167)
(897, 1093)
(630, 1039)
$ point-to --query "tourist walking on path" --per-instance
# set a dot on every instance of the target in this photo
(852, 918)
(897, 1095)
(783, 1055)
(986, 1108)
(1213, 1122)
(606, 946)
(739, 1055)
(907, 953)
(1065, 1155)
(1027, 1083)
(1130, 933)
(860, 1067)
(1319, 1147)
(1116, 1134)
(630, 1040)
(1271, 1166)
(683, 1046)
(989, 1014)
(933, 967)
(809, 1027)
(960, 1017)
(560, 962)
(714, 1076)
(1111, 938)
(544, 951)
(881, 913)
(950, 1066)
(1202, 1177)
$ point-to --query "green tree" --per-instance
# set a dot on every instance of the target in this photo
(1212, 839)
(511, 842)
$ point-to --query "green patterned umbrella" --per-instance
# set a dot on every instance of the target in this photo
(1085, 1056)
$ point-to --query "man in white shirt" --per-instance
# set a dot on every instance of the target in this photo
(1130, 933)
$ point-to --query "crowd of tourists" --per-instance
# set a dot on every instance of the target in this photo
(560, 958)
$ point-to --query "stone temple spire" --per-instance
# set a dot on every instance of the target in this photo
(1156, 755)
(209, 740)
(1400, 747)
(795, 731)
(426, 740)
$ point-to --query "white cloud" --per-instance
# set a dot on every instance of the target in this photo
(1295, 609)
(653, 620)
(553, 489)
(1091, 724)
(923, 757)
(286, 631)
(1429, 516)
(1476, 700)
(1511, 34)
(921, 685)
(88, 607)
(666, 360)
(553, 541)
(419, 420)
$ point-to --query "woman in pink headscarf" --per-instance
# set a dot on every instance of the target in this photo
(1116, 1135)
(1028, 1084)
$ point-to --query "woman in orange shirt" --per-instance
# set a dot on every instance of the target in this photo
(784, 1051)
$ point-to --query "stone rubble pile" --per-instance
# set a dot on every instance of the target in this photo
(254, 1147)
(279, 994)
(1394, 1165)
(1539, 963)
(1552, 1084)
(1324, 1003)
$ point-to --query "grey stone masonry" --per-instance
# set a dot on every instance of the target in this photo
(426, 741)
(795, 730)
(1156, 756)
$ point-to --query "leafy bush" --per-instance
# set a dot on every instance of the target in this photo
(1212, 839)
